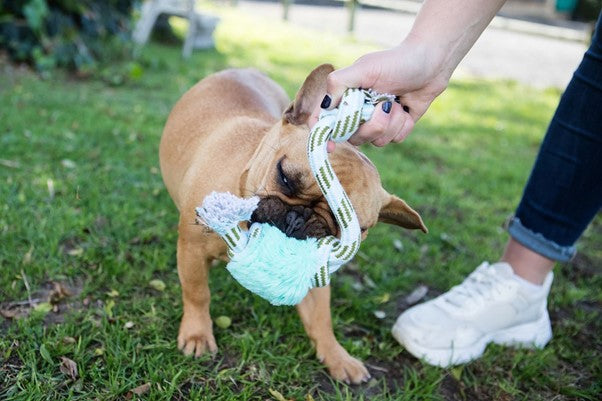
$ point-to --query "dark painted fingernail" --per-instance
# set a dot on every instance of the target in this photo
(406, 109)
(387, 107)
(326, 102)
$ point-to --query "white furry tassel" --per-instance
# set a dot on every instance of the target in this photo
(222, 211)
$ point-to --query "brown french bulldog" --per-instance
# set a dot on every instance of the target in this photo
(235, 131)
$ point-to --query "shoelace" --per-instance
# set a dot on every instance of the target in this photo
(480, 285)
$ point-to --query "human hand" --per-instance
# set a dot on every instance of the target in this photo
(407, 71)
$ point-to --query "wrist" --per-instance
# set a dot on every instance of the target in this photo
(434, 60)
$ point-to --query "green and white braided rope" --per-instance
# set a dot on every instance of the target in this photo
(338, 125)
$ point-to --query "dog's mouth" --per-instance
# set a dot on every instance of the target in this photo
(296, 221)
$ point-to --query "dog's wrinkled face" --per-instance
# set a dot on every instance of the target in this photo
(290, 197)
(291, 200)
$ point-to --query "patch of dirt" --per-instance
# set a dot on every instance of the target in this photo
(9, 367)
(55, 297)
(453, 390)
(391, 373)
(582, 267)
(71, 246)
(220, 367)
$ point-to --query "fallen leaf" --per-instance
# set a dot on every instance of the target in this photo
(128, 325)
(376, 367)
(380, 314)
(277, 395)
(383, 299)
(8, 314)
(50, 185)
(157, 284)
(109, 308)
(58, 293)
(100, 351)
(69, 340)
(43, 307)
(357, 286)
(369, 282)
(28, 255)
(223, 322)
(309, 397)
(67, 163)
(143, 389)
(456, 372)
(113, 294)
(416, 295)
(75, 251)
(45, 354)
(69, 367)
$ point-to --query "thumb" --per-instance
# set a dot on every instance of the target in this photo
(357, 75)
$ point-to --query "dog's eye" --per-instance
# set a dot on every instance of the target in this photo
(283, 180)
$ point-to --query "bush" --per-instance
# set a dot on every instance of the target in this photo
(587, 10)
(76, 34)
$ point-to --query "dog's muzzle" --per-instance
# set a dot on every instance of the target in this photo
(300, 222)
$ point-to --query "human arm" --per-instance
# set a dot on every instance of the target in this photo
(418, 69)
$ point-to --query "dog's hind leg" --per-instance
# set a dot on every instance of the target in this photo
(314, 311)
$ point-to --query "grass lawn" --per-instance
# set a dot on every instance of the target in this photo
(88, 235)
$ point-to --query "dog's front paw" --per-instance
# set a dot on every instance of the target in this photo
(343, 366)
(196, 337)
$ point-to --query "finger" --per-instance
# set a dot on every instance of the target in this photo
(397, 121)
(406, 129)
(330, 146)
(379, 128)
(357, 75)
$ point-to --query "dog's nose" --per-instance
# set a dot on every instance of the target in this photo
(294, 221)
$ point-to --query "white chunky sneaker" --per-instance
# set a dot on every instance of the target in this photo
(491, 305)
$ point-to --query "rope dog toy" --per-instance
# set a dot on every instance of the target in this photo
(263, 259)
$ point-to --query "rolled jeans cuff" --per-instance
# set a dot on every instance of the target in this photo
(538, 243)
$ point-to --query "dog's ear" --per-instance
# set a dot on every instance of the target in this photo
(396, 211)
(308, 96)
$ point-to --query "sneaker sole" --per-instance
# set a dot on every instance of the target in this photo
(528, 335)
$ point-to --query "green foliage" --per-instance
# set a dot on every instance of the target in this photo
(587, 10)
(75, 34)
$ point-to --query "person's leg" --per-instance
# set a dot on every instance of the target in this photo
(506, 303)
(526, 263)
(564, 191)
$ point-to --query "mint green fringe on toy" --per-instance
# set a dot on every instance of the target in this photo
(276, 267)
(263, 259)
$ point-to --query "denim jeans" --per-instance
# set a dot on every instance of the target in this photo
(564, 191)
